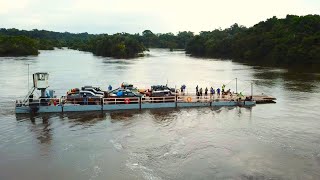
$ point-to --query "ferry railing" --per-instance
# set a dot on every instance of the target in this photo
(158, 99)
(45, 102)
(193, 92)
(125, 100)
(193, 98)
(203, 98)
(82, 101)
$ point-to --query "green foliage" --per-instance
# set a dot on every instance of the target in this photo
(17, 46)
(121, 45)
(117, 45)
(166, 40)
(290, 41)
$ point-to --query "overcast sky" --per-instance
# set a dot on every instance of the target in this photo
(134, 16)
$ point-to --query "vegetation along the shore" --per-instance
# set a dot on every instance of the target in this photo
(293, 40)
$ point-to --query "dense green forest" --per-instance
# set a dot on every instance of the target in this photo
(117, 45)
(289, 41)
(121, 45)
(17, 46)
(293, 40)
(167, 40)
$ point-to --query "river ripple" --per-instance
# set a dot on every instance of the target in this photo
(272, 141)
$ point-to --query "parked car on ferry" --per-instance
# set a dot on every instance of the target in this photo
(125, 85)
(95, 90)
(83, 96)
(161, 88)
(73, 91)
(163, 96)
(120, 96)
(124, 93)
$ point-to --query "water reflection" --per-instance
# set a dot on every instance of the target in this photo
(40, 126)
(123, 115)
(244, 111)
(27, 58)
(44, 135)
(292, 80)
(117, 62)
(164, 117)
(82, 120)
(84, 117)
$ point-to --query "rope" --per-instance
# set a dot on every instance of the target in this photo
(230, 82)
(245, 88)
(256, 87)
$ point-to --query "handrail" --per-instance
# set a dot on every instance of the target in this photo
(208, 98)
(82, 101)
(116, 100)
(45, 101)
(158, 99)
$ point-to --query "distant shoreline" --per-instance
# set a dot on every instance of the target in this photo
(292, 41)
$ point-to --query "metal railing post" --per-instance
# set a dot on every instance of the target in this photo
(176, 101)
(102, 102)
(251, 89)
(61, 104)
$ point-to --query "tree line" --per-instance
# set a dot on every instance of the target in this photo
(120, 45)
(17, 46)
(294, 40)
(288, 41)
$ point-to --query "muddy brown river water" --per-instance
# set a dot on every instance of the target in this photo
(271, 141)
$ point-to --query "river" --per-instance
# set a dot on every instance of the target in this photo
(270, 141)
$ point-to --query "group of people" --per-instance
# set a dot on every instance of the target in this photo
(218, 91)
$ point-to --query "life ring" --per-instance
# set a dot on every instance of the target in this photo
(127, 100)
(189, 99)
(55, 102)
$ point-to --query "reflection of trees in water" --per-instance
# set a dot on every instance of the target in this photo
(293, 79)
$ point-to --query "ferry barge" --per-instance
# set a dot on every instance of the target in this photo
(127, 97)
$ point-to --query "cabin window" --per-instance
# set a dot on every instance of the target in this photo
(41, 77)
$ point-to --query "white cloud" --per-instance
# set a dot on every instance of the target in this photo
(110, 16)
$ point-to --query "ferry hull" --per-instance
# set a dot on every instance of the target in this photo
(114, 107)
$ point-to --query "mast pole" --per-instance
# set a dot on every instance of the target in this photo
(28, 78)
(236, 85)
(251, 89)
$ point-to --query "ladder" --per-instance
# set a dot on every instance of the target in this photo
(25, 100)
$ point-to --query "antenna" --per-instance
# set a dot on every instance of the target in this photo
(251, 89)
(28, 77)
(236, 85)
